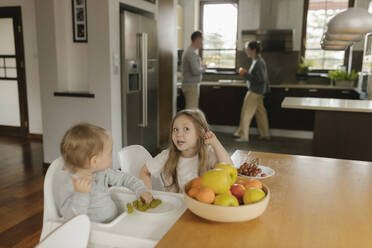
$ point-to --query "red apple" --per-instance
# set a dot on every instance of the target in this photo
(238, 191)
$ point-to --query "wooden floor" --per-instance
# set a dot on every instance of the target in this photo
(22, 177)
(282, 145)
(21, 192)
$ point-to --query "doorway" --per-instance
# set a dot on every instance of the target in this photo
(13, 95)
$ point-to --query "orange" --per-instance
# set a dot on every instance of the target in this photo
(253, 183)
(197, 182)
(242, 71)
(242, 182)
(205, 195)
(193, 192)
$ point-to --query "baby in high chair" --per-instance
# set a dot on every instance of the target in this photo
(82, 187)
(193, 150)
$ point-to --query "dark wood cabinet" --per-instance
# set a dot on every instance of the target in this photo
(294, 119)
(291, 119)
(222, 105)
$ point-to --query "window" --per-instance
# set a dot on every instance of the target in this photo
(316, 16)
(219, 26)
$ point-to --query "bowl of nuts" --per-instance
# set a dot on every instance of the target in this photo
(253, 169)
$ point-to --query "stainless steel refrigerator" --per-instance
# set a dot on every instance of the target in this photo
(139, 80)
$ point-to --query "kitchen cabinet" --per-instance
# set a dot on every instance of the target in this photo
(222, 105)
(295, 119)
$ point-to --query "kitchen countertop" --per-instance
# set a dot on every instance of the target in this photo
(241, 83)
(329, 104)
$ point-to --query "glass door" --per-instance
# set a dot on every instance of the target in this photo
(13, 104)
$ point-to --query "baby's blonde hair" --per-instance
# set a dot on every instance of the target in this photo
(170, 168)
(80, 143)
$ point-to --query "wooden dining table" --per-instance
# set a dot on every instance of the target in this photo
(316, 202)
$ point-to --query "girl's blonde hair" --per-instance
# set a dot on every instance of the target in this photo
(170, 168)
(80, 143)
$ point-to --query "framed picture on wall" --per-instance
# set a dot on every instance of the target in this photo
(79, 21)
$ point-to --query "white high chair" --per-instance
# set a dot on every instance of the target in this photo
(73, 233)
(51, 217)
(132, 158)
(135, 230)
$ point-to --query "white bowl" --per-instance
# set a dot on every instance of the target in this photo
(227, 214)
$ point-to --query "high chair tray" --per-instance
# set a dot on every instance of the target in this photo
(144, 229)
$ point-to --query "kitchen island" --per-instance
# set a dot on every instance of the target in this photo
(312, 205)
(342, 127)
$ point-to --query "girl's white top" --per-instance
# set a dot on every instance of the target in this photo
(188, 168)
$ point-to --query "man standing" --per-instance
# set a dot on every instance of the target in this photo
(192, 71)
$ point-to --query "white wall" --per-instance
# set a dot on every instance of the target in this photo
(31, 62)
(191, 10)
(247, 20)
(60, 113)
(72, 57)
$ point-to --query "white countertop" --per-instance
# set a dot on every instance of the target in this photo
(241, 83)
(330, 104)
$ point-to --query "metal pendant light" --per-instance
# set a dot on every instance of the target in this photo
(351, 21)
(343, 37)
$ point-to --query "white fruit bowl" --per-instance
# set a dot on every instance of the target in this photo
(227, 214)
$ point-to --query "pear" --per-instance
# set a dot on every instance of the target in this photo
(217, 179)
(231, 170)
(253, 195)
(226, 200)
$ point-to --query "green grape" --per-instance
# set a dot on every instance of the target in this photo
(130, 208)
(135, 204)
(155, 202)
(142, 208)
(140, 205)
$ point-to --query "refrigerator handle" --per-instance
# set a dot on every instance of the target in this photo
(143, 51)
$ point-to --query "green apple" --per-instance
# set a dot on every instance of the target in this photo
(217, 179)
(253, 195)
(233, 172)
(226, 200)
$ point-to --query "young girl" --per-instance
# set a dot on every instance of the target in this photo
(82, 187)
(193, 150)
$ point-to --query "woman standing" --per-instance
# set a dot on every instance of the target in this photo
(258, 86)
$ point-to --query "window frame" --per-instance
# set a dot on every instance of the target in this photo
(303, 35)
(201, 15)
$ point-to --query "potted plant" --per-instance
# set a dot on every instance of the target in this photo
(342, 78)
(303, 69)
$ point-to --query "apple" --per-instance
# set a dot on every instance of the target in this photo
(226, 200)
(238, 191)
(253, 195)
(217, 179)
(233, 172)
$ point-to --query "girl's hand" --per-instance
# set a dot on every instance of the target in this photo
(210, 138)
(147, 197)
(82, 185)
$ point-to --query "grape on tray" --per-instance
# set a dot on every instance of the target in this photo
(142, 206)
(251, 169)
